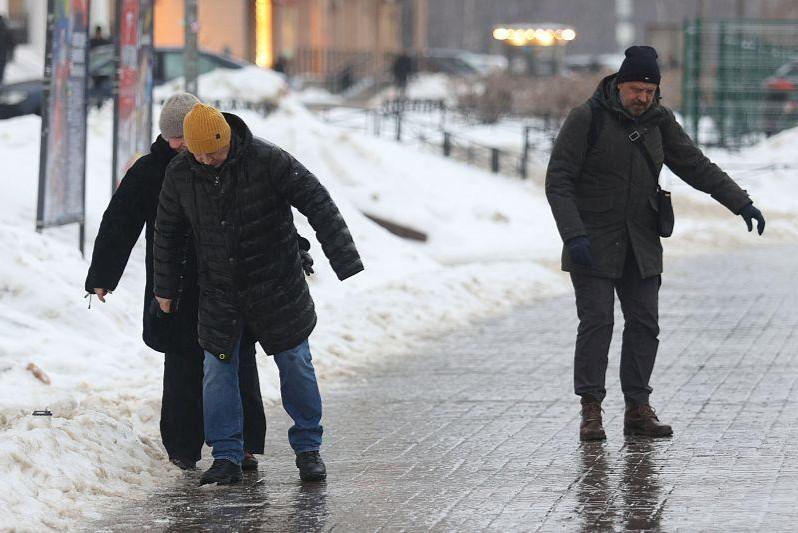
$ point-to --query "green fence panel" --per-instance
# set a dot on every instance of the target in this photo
(729, 98)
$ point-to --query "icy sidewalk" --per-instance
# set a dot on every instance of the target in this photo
(491, 245)
(102, 442)
(479, 430)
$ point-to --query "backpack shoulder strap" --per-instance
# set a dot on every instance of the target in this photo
(596, 123)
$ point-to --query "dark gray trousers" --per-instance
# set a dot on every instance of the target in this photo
(595, 303)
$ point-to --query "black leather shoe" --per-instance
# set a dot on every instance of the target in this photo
(222, 472)
(311, 467)
(249, 463)
(641, 420)
(183, 464)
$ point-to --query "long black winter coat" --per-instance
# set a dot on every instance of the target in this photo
(607, 191)
(133, 206)
(249, 263)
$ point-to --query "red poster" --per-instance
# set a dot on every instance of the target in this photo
(133, 105)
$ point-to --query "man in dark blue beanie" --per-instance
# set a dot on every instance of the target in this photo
(638, 79)
(640, 65)
(602, 185)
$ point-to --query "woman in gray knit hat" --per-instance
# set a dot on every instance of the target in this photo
(132, 207)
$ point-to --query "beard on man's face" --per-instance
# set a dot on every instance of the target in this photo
(636, 107)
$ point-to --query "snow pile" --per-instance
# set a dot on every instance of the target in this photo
(491, 244)
(424, 86)
(506, 135)
(27, 65)
(319, 96)
(102, 396)
(248, 84)
(485, 63)
(770, 168)
(766, 171)
(427, 86)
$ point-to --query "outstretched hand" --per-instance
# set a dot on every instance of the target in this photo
(751, 213)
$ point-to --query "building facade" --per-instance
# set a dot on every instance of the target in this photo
(343, 38)
(335, 41)
(350, 38)
(313, 37)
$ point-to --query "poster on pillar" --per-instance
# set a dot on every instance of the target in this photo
(133, 102)
(62, 159)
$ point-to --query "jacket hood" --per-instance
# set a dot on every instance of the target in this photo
(241, 138)
(606, 95)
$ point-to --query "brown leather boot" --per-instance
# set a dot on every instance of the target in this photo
(591, 427)
(641, 420)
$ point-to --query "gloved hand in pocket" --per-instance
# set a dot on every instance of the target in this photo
(579, 249)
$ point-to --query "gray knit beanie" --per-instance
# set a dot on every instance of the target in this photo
(174, 110)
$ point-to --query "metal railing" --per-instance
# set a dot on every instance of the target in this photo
(435, 127)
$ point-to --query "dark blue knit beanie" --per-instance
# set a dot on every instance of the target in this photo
(640, 65)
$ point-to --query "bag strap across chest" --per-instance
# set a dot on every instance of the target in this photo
(635, 137)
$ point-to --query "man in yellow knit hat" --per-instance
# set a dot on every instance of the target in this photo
(236, 193)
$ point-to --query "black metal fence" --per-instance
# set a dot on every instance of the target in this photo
(434, 126)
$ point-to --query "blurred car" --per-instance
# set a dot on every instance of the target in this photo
(780, 104)
(447, 62)
(22, 98)
(27, 97)
(485, 64)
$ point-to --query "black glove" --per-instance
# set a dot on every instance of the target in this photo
(307, 262)
(579, 248)
(749, 213)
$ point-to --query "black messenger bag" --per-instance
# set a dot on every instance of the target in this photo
(662, 198)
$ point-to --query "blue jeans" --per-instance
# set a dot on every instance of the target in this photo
(224, 418)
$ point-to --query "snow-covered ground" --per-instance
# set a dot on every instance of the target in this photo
(248, 84)
(426, 129)
(424, 86)
(26, 65)
(492, 244)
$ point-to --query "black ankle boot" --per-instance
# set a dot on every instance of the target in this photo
(311, 467)
(222, 472)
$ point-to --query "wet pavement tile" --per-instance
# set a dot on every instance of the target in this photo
(479, 430)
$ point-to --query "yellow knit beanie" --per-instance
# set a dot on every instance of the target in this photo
(205, 130)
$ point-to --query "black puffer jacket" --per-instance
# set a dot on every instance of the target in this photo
(607, 191)
(133, 206)
(250, 269)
